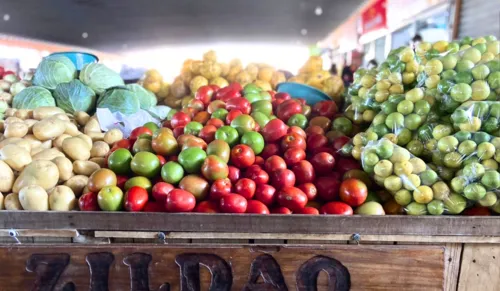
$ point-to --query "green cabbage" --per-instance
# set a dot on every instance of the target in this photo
(33, 97)
(74, 96)
(54, 70)
(119, 99)
(99, 77)
(146, 98)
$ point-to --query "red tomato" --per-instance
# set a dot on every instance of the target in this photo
(292, 198)
(308, 210)
(288, 108)
(338, 208)
(166, 124)
(314, 129)
(135, 198)
(178, 131)
(346, 164)
(256, 174)
(236, 86)
(88, 202)
(282, 178)
(325, 108)
(207, 207)
(204, 94)
(191, 112)
(173, 158)
(242, 156)
(274, 130)
(214, 105)
(234, 174)
(276, 103)
(309, 189)
(215, 87)
(304, 172)
(282, 96)
(227, 93)
(272, 93)
(281, 210)
(323, 163)
(274, 163)
(328, 188)
(293, 140)
(270, 149)
(334, 175)
(233, 203)
(120, 181)
(239, 103)
(257, 207)
(294, 155)
(324, 149)
(163, 161)
(180, 119)
(245, 187)
(259, 161)
(353, 192)
(297, 130)
(198, 105)
(265, 194)
(122, 144)
(477, 211)
(179, 200)
(207, 133)
(220, 188)
(153, 206)
(160, 191)
(339, 142)
(315, 141)
(215, 122)
(232, 115)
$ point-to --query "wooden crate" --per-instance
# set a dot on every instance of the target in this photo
(158, 251)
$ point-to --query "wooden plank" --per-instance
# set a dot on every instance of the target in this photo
(480, 268)
(324, 238)
(453, 258)
(245, 223)
(356, 268)
(39, 233)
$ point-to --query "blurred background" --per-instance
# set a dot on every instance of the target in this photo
(133, 36)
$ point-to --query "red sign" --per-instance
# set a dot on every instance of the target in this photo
(375, 16)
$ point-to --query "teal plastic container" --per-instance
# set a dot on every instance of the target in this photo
(297, 90)
(79, 59)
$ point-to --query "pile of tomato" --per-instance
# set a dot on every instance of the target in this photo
(235, 150)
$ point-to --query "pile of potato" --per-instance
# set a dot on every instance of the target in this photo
(46, 157)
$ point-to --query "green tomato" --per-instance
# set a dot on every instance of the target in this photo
(251, 88)
(119, 161)
(299, 120)
(171, 113)
(243, 123)
(461, 92)
(253, 97)
(172, 172)
(220, 113)
(193, 128)
(192, 159)
(260, 118)
(151, 125)
(254, 140)
(343, 125)
(145, 164)
(263, 106)
(227, 134)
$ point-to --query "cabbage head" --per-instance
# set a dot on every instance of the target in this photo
(74, 96)
(99, 77)
(54, 70)
(33, 97)
(119, 99)
(146, 98)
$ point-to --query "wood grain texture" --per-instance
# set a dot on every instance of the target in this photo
(480, 268)
(316, 224)
(370, 267)
(452, 259)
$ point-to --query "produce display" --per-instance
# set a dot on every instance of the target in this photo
(57, 82)
(10, 85)
(438, 105)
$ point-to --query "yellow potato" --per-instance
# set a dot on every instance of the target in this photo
(48, 128)
(96, 136)
(62, 198)
(82, 117)
(59, 140)
(42, 173)
(16, 157)
(22, 114)
(85, 168)
(76, 149)
(61, 116)
(77, 184)
(47, 155)
(6, 177)
(15, 129)
(92, 126)
(34, 197)
(99, 149)
(12, 140)
(11, 202)
(30, 123)
(10, 111)
(100, 161)
(113, 136)
(71, 129)
(65, 168)
(46, 144)
(13, 120)
(87, 139)
(46, 111)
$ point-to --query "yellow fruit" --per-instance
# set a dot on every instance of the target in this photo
(210, 70)
(154, 75)
(356, 152)
(472, 125)
(236, 63)
(186, 77)
(265, 74)
(253, 71)
(196, 83)
(313, 64)
(219, 81)
(383, 168)
(224, 69)
(297, 79)
(185, 101)
(263, 85)
(153, 86)
(393, 183)
(407, 55)
(418, 165)
(423, 194)
(441, 46)
(278, 77)
(195, 67)
(243, 78)
(164, 90)
(411, 182)
(210, 56)
(334, 87)
(186, 66)
(404, 168)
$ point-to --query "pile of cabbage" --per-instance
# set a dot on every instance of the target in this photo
(57, 83)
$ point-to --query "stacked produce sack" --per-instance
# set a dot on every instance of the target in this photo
(57, 82)
(434, 138)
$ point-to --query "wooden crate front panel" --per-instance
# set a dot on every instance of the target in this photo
(146, 267)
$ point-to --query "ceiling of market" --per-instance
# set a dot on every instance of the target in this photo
(123, 25)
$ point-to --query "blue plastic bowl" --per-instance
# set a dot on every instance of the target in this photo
(79, 59)
(297, 90)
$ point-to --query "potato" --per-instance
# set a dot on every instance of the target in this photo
(30, 123)
(65, 168)
(48, 128)
(6, 177)
(11, 202)
(100, 161)
(113, 136)
(62, 198)
(76, 148)
(61, 116)
(87, 140)
(82, 117)
(99, 149)
(59, 140)
(48, 155)
(34, 197)
(46, 144)
(13, 119)
(22, 114)
(15, 129)
(92, 126)
(77, 184)
(96, 136)
(46, 111)
(36, 150)
(16, 157)
(71, 129)
(2, 125)
(1, 202)
(12, 140)
(42, 173)
(85, 168)
(10, 112)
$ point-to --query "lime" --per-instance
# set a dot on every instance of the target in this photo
(494, 80)
(405, 107)
(472, 54)
(452, 160)
(404, 168)
(470, 159)
(441, 190)
(490, 164)
(480, 72)
(411, 182)
(474, 191)
(415, 147)
(447, 144)
(480, 90)
(488, 200)
(414, 95)
(467, 147)
(393, 183)
(370, 159)
(368, 81)
(461, 92)
(400, 154)
(480, 137)
(428, 177)
(466, 40)
(423, 194)
(455, 204)
(383, 168)
(491, 180)
(415, 208)
(463, 135)
(485, 151)
(395, 78)
(433, 67)
(435, 207)
(441, 130)
(384, 149)
(444, 86)
(448, 75)
(403, 197)
(458, 184)
(378, 119)
(464, 66)
(480, 109)
(388, 107)
(449, 61)
(491, 124)
(422, 107)
(473, 171)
